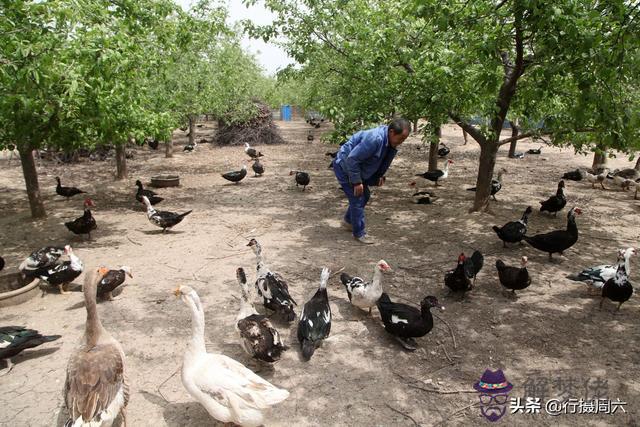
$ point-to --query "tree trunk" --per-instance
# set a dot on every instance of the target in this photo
(599, 159)
(488, 153)
(465, 136)
(168, 147)
(31, 181)
(121, 162)
(637, 164)
(415, 126)
(192, 129)
(514, 134)
(433, 149)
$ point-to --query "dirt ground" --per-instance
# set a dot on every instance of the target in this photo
(551, 340)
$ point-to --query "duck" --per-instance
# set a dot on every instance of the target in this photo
(62, 274)
(519, 155)
(302, 178)
(576, 175)
(315, 319)
(236, 176)
(251, 152)
(67, 192)
(443, 151)
(496, 184)
(272, 287)
(437, 175)
(405, 322)
(535, 150)
(96, 391)
(40, 260)
(422, 197)
(259, 338)
(596, 178)
(363, 294)
(228, 391)
(595, 277)
(153, 197)
(557, 241)
(153, 143)
(473, 265)
(258, 168)
(111, 279)
(513, 278)
(84, 224)
(189, 148)
(513, 231)
(457, 279)
(163, 219)
(310, 136)
(555, 203)
(618, 288)
(1, 263)
(15, 339)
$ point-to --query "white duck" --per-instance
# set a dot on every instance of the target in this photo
(227, 389)
(596, 179)
(363, 294)
(96, 389)
(597, 276)
(259, 338)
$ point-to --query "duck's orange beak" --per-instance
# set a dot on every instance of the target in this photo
(176, 291)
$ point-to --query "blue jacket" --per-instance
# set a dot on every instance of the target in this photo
(366, 156)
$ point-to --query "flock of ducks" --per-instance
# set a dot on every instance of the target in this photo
(96, 389)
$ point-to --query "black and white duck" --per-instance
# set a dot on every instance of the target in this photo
(252, 152)
(111, 279)
(315, 320)
(153, 197)
(15, 339)
(236, 176)
(513, 231)
(535, 150)
(84, 224)
(258, 168)
(163, 219)
(496, 184)
(513, 278)
(555, 203)
(259, 338)
(189, 148)
(62, 274)
(443, 151)
(422, 197)
(302, 178)
(153, 143)
(437, 175)
(557, 241)
(365, 295)
(597, 178)
(595, 277)
(618, 288)
(67, 192)
(272, 287)
(41, 260)
(405, 322)
(575, 175)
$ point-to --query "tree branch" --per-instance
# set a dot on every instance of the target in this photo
(470, 129)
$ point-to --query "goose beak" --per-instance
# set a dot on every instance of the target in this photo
(176, 291)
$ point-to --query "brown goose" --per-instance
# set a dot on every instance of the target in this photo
(96, 389)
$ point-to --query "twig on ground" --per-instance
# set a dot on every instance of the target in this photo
(163, 383)
(445, 353)
(337, 272)
(453, 337)
(404, 414)
(226, 256)
(134, 242)
(434, 390)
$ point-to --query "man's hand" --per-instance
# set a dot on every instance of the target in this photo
(381, 181)
(358, 190)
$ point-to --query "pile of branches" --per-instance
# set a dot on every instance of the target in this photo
(257, 128)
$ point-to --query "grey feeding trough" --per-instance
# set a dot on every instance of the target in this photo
(162, 181)
(14, 289)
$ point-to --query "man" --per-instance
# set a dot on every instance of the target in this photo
(362, 161)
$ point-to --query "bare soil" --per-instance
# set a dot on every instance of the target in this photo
(552, 332)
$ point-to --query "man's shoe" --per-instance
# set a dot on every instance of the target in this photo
(365, 240)
(344, 224)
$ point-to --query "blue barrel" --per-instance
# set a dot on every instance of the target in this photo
(285, 113)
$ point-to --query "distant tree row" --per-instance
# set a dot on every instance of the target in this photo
(565, 70)
(81, 73)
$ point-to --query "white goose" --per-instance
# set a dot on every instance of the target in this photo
(227, 389)
(96, 389)
(363, 294)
